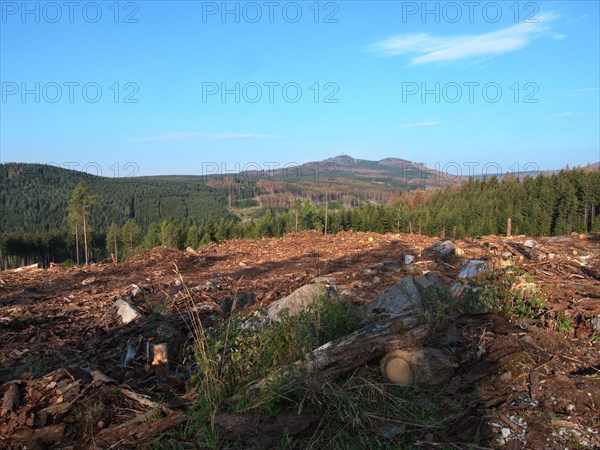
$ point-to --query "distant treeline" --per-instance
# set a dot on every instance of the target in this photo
(545, 205)
(34, 197)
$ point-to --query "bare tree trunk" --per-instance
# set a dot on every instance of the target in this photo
(85, 245)
(326, 211)
(77, 244)
(116, 249)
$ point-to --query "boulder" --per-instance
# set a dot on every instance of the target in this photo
(409, 295)
(401, 298)
(441, 250)
(418, 367)
(299, 300)
(472, 268)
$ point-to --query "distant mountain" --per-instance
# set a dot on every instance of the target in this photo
(394, 171)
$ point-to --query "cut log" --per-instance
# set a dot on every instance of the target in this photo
(421, 367)
(367, 344)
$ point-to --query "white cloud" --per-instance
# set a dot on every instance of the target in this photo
(577, 92)
(434, 49)
(192, 136)
(565, 114)
(419, 124)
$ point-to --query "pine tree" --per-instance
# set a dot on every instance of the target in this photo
(131, 237)
(113, 241)
(78, 212)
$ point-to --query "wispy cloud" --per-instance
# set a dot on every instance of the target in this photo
(419, 124)
(192, 136)
(436, 49)
(577, 92)
(565, 114)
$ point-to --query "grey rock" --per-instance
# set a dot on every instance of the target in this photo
(430, 280)
(408, 259)
(442, 249)
(595, 323)
(401, 298)
(409, 295)
(299, 300)
(457, 288)
(472, 268)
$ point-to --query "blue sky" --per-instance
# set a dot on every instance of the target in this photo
(173, 86)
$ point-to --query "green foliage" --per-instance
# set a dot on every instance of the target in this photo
(244, 355)
(190, 211)
(34, 197)
(529, 308)
(564, 323)
(130, 235)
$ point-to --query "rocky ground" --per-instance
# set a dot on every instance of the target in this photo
(75, 376)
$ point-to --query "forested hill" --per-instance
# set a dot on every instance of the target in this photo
(34, 197)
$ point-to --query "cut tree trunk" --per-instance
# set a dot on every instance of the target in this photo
(367, 344)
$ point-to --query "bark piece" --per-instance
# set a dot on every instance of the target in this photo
(126, 311)
(11, 399)
(48, 435)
